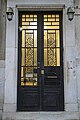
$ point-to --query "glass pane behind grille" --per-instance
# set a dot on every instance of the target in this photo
(29, 50)
(51, 40)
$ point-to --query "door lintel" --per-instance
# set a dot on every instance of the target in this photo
(41, 7)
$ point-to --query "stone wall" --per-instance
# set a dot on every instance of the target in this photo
(2, 50)
(71, 35)
(77, 36)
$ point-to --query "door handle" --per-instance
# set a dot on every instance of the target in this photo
(52, 76)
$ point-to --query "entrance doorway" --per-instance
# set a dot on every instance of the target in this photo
(40, 62)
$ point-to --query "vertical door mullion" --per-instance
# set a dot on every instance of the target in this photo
(42, 59)
(39, 58)
(40, 54)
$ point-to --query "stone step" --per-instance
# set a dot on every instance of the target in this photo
(41, 116)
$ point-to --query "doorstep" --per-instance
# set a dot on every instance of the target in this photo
(40, 116)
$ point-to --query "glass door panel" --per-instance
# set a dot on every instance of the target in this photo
(51, 40)
(29, 50)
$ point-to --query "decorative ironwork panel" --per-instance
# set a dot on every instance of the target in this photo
(29, 57)
(29, 50)
(29, 40)
(51, 40)
(51, 57)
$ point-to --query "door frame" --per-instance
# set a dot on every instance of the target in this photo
(61, 50)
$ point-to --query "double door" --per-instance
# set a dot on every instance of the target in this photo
(40, 62)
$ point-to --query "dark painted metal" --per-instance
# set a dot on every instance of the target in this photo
(49, 94)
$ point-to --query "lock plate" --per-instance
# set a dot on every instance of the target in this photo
(42, 72)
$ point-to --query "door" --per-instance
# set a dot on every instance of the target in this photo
(40, 62)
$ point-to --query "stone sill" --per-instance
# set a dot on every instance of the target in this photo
(41, 116)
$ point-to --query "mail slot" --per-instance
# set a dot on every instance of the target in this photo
(52, 76)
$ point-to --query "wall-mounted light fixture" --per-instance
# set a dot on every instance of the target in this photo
(70, 13)
(10, 13)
